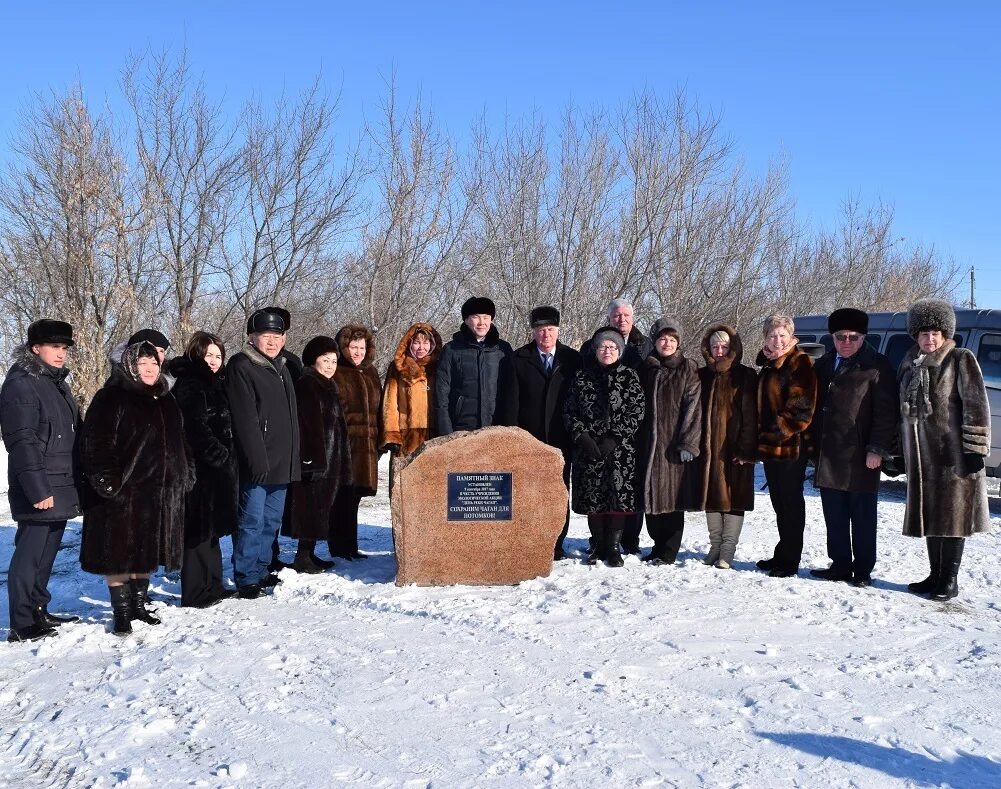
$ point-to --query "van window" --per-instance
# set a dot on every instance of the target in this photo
(806, 337)
(989, 356)
(873, 340)
(827, 341)
(896, 348)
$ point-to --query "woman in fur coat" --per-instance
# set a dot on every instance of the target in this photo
(671, 434)
(787, 397)
(326, 459)
(360, 391)
(407, 398)
(139, 468)
(946, 435)
(211, 508)
(604, 414)
(725, 471)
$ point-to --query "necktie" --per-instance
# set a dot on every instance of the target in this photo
(549, 362)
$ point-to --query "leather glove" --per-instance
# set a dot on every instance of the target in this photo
(393, 449)
(686, 456)
(586, 447)
(607, 445)
(972, 463)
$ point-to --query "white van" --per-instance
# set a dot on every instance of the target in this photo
(978, 330)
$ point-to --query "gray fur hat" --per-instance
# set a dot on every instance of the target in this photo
(668, 323)
(931, 314)
(608, 334)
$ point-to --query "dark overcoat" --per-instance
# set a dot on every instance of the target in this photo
(857, 412)
(729, 429)
(673, 423)
(533, 399)
(261, 397)
(39, 421)
(787, 398)
(212, 506)
(326, 458)
(408, 407)
(139, 468)
(468, 380)
(361, 393)
(606, 402)
(946, 415)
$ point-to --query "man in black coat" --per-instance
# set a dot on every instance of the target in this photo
(469, 370)
(638, 347)
(854, 430)
(266, 431)
(39, 418)
(537, 380)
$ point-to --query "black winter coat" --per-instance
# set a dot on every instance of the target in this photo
(326, 458)
(468, 381)
(638, 347)
(857, 412)
(533, 399)
(39, 419)
(139, 468)
(212, 506)
(265, 426)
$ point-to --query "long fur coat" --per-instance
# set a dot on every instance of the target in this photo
(361, 392)
(946, 416)
(408, 407)
(787, 397)
(729, 429)
(139, 467)
(326, 458)
(673, 423)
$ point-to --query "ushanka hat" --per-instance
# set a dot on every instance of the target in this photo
(929, 314)
(608, 334)
(267, 319)
(668, 324)
(317, 347)
(848, 319)
(49, 331)
(544, 316)
(478, 305)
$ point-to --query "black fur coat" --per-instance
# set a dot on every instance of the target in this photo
(139, 467)
(211, 508)
(326, 459)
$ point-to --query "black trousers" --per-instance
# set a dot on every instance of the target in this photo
(666, 529)
(566, 523)
(851, 530)
(201, 573)
(36, 544)
(633, 525)
(343, 537)
(785, 488)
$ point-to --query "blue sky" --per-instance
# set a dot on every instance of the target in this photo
(891, 101)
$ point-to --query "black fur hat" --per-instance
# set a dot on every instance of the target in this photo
(478, 305)
(317, 347)
(49, 331)
(931, 314)
(666, 324)
(152, 336)
(848, 319)
(544, 316)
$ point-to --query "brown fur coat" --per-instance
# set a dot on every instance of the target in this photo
(787, 397)
(945, 416)
(360, 391)
(729, 428)
(408, 408)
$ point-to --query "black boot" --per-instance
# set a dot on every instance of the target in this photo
(43, 617)
(935, 561)
(121, 608)
(613, 555)
(597, 551)
(31, 632)
(141, 605)
(952, 556)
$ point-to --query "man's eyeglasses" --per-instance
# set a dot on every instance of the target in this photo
(843, 336)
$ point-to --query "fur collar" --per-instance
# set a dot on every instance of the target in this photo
(120, 379)
(258, 358)
(735, 355)
(931, 359)
(636, 337)
(409, 368)
(465, 335)
(779, 361)
(657, 362)
(321, 380)
(183, 367)
(33, 365)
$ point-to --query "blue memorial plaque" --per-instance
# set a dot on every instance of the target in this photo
(479, 496)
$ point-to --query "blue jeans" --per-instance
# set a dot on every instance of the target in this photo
(261, 508)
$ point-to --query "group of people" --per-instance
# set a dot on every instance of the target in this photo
(174, 454)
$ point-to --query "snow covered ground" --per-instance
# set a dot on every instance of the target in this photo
(641, 676)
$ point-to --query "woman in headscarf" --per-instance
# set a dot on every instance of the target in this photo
(604, 414)
(139, 467)
(946, 437)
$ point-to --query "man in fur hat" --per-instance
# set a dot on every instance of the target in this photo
(469, 370)
(39, 422)
(266, 433)
(854, 431)
(537, 380)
